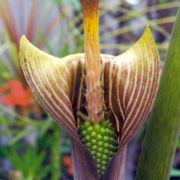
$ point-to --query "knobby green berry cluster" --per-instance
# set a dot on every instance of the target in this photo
(101, 140)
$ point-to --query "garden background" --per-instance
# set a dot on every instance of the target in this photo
(32, 146)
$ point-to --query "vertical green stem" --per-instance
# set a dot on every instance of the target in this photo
(161, 138)
(55, 153)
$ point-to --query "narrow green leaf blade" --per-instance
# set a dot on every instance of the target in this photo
(164, 125)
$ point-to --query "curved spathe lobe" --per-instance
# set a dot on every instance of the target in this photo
(141, 83)
(45, 76)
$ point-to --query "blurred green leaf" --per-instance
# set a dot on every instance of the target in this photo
(22, 133)
(64, 50)
(29, 162)
(178, 143)
(58, 2)
(46, 124)
(175, 173)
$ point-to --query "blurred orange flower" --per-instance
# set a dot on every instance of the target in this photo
(70, 170)
(13, 94)
(67, 160)
(68, 163)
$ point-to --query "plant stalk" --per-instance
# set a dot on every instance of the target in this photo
(163, 129)
(92, 56)
(56, 153)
